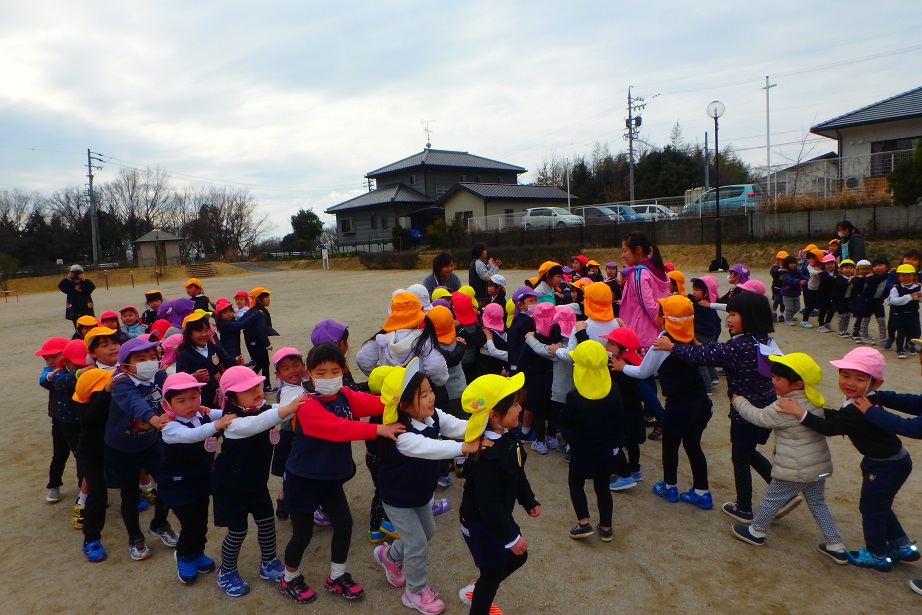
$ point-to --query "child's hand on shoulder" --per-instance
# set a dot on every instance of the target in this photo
(663, 343)
(461, 340)
(201, 375)
(790, 407)
(616, 364)
(469, 448)
(217, 376)
(239, 359)
(224, 421)
(159, 421)
(553, 348)
(292, 406)
(704, 303)
(530, 334)
(487, 333)
(862, 403)
(390, 431)
(580, 325)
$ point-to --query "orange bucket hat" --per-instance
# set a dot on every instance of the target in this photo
(597, 301)
(679, 278)
(545, 267)
(444, 323)
(406, 312)
(680, 318)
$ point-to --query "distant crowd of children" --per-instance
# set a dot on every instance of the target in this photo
(571, 359)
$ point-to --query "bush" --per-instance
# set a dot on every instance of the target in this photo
(389, 260)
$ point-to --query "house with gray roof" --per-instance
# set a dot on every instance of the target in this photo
(407, 191)
(498, 206)
(873, 138)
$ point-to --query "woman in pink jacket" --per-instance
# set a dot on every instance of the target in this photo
(645, 282)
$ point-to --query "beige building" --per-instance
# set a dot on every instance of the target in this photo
(498, 206)
(158, 249)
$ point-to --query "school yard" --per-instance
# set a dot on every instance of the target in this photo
(665, 557)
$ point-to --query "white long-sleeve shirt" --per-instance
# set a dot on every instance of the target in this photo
(418, 445)
(896, 299)
(491, 349)
(177, 432)
(246, 426)
(652, 361)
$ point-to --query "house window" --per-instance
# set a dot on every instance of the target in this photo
(462, 178)
(464, 215)
(346, 225)
(499, 179)
(373, 220)
(440, 191)
(383, 221)
(479, 179)
(412, 180)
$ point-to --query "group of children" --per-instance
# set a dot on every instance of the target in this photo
(847, 288)
(448, 377)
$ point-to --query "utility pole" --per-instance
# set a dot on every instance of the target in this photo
(707, 164)
(94, 220)
(568, 184)
(632, 126)
(768, 141)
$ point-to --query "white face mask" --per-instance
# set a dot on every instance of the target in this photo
(328, 387)
(530, 309)
(610, 354)
(730, 280)
(146, 369)
(841, 235)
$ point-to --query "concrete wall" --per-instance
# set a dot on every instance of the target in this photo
(147, 256)
(814, 225)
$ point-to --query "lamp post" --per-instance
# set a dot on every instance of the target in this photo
(715, 110)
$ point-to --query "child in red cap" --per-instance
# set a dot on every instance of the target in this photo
(62, 442)
(132, 326)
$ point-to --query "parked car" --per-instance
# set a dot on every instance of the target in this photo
(544, 217)
(735, 199)
(626, 212)
(597, 214)
(657, 212)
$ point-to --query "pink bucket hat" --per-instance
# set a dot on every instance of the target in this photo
(566, 318)
(170, 348)
(712, 286)
(493, 315)
(829, 258)
(544, 317)
(753, 286)
(238, 379)
(178, 382)
(867, 360)
(281, 353)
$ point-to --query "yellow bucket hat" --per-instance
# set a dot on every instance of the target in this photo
(196, 315)
(590, 370)
(679, 278)
(393, 387)
(377, 376)
(679, 314)
(96, 332)
(805, 367)
(481, 396)
(89, 382)
(441, 293)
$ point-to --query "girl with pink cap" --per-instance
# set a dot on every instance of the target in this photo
(540, 345)
(494, 354)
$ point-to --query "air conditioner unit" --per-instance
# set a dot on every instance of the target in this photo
(852, 183)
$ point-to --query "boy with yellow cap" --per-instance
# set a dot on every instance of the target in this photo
(257, 335)
(591, 423)
(802, 460)
(197, 293)
(904, 308)
(776, 271)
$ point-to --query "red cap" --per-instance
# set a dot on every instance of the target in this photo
(75, 352)
(129, 307)
(53, 345)
(221, 305)
(582, 259)
(159, 327)
(242, 293)
(109, 314)
(627, 339)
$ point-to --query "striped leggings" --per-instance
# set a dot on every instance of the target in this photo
(779, 492)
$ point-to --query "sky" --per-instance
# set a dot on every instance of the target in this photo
(297, 100)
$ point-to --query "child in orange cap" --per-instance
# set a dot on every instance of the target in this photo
(197, 293)
(62, 442)
(257, 335)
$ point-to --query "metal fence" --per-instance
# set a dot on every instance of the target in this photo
(828, 176)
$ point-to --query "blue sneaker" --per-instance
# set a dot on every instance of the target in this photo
(703, 502)
(904, 554)
(272, 570)
(142, 504)
(186, 568)
(622, 484)
(232, 584)
(376, 537)
(387, 528)
(864, 559)
(94, 551)
(637, 476)
(204, 564)
(887, 343)
(567, 457)
(670, 494)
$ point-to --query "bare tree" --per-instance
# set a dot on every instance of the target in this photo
(70, 205)
(552, 172)
(16, 206)
(142, 198)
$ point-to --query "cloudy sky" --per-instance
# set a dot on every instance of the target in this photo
(297, 100)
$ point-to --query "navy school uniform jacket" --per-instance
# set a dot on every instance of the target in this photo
(842, 294)
(521, 324)
(907, 403)
(93, 418)
(872, 294)
(707, 321)
(189, 361)
(242, 467)
(229, 331)
(134, 403)
(790, 283)
(186, 463)
(257, 334)
(64, 382)
(869, 439)
(592, 428)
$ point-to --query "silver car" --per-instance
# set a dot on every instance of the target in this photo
(547, 217)
(655, 212)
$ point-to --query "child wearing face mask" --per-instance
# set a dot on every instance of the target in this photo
(133, 442)
(409, 471)
(320, 464)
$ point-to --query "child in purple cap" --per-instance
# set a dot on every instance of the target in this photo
(133, 442)
(885, 466)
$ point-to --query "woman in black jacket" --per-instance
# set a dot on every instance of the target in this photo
(851, 245)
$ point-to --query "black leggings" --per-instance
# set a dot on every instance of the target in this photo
(193, 519)
(824, 303)
(260, 357)
(376, 514)
(64, 439)
(907, 329)
(302, 530)
(94, 513)
(624, 465)
(600, 483)
(129, 509)
(489, 581)
(744, 457)
(699, 463)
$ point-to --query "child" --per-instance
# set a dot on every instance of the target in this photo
(240, 473)
(185, 484)
(871, 301)
(885, 466)
(824, 291)
(153, 299)
(813, 269)
(241, 303)
(802, 461)
(494, 355)
(82, 325)
(912, 257)
(611, 272)
(496, 289)
(257, 336)
(525, 299)
(470, 332)
(594, 271)
(196, 292)
(590, 422)
(547, 286)
(645, 282)
(904, 308)
(63, 379)
(842, 295)
(688, 407)
(539, 377)
(409, 470)
(749, 319)
(290, 373)
(677, 282)
(453, 351)
(495, 482)
(776, 271)
(64, 438)
(320, 464)
(201, 357)
(132, 326)
(792, 283)
(736, 275)
(862, 272)
(109, 320)
(229, 326)
(707, 323)
(133, 442)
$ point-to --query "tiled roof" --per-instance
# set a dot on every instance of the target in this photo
(510, 191)
(392, 194)
(157, 235)
(446, 158)
(900, 107)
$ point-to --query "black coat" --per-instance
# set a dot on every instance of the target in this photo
(79, 297)
(190, 361)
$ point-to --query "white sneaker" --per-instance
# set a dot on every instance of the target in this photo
(539, 447)
(424, 601)
(551, 442)
(465, 594)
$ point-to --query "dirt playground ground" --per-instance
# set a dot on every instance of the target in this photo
(665, 557)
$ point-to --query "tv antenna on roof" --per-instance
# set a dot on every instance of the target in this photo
(426, 128)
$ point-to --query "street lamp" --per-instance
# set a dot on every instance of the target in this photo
(715, 110)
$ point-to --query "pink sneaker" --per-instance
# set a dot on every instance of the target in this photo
(424, 601)
(393, 570)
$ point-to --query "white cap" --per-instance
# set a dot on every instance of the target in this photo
(76, 269)
(498, 280)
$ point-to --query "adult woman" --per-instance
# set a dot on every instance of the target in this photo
(79, 293)
(851, 244)
(480, 271)
(443, 267)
